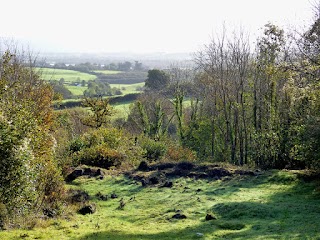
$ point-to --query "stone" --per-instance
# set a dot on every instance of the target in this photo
(179, 216)
(113, 195)
(87, 209)
(168, 184)
(210, 217)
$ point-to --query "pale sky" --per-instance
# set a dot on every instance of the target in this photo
(139, 26)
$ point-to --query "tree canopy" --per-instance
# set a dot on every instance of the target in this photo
(157, 79)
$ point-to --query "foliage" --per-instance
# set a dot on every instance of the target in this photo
(176, 153)
(151, 115)
(100, 110)
(61, 89)
(104, 147)
(99, 156)
(28, 174)
(123, 77)
(157, 79)
(97, 88)
(154, 149)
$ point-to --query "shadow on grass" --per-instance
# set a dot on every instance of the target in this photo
(293, 213)
(195, 232)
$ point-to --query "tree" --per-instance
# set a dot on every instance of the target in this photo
(100, 111)
(61, 81)
(29, 177)
(98, 88)
(225, 66)
(157, 79)
(151, 115)
(304, 94)
(267, 92)
(126, 66)
(137, 66)
(61, 90)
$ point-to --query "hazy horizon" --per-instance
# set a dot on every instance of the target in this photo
(141, 26)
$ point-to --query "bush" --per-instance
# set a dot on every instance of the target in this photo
(178, 153)
(104, 147)
(154, 150)
(100, 156)
(76, 145)
(29, 176)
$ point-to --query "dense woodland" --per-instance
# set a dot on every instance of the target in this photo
(254, 106)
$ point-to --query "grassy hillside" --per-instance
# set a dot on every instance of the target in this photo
(69, 76)
(128, 88)
(270, 205)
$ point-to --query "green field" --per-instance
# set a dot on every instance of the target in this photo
(76, 90)
(273, 205)
(125, 88)
(69, 76)
(128, 88)
(121, 110)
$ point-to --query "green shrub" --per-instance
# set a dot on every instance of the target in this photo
(28, 171)
(178, 153)
(76, 145)
(105, 147)
(100, 156)
(154, 150)
(110, 137)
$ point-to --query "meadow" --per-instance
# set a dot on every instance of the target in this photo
(69, 76)
(270, 205)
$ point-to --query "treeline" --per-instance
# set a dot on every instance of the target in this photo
(259, 107)
(123, 77)
(88, 67)
(112, 100)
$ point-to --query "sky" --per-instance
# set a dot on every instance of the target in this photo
(139, 26)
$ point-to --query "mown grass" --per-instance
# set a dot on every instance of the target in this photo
(129, 88)
(274, 205)
(125, 88)
(76, 90)
(121, 110)
(69, 76)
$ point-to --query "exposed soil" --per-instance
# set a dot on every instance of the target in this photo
(159, 173)
(84, 171)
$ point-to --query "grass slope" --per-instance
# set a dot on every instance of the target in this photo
(69, 76)
(128, 88)
(274, 205)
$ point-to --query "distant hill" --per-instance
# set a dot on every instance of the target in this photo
(151, 60)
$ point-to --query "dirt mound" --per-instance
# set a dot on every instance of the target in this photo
(158, 173)
(84, 171)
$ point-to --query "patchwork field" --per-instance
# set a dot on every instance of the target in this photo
(70, 77)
